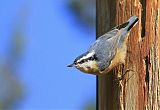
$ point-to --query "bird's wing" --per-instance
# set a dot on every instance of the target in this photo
(105, 48)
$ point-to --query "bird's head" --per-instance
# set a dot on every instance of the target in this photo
(86, 62)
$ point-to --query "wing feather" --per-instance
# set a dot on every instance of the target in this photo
(105, 48)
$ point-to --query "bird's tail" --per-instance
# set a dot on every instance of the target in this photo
(127, 26)
(132, 22)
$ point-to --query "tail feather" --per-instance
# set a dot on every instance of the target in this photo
(122, 25)
(125, 28)
(129, 24)
(132, 22)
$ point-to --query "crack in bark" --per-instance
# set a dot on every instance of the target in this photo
(146, 87)
(147, 71)
(143, 17)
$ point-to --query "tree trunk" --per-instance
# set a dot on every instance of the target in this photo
(142, 90)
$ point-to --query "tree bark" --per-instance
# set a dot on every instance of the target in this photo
(142, 90)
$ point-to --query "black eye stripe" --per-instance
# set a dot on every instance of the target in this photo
(82, 61)
(93, 58)
(85, 60)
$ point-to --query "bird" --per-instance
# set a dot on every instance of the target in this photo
(107, 52)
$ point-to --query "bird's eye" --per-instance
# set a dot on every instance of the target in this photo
(91, 58)
(82, 61)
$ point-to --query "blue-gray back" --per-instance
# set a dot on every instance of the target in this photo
(105, 48)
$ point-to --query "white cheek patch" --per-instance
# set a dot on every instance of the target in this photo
(87, 56)
(87, 64)
(88, 67)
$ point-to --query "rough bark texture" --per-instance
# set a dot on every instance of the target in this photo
(142, 91)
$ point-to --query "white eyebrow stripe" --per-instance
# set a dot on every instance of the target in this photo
(87, 56)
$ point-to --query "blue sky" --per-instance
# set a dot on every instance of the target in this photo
(53, 38)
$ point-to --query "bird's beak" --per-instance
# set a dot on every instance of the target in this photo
(71, 65)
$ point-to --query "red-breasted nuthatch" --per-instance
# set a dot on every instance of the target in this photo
(108, 51)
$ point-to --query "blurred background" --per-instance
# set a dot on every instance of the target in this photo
(38, 39)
